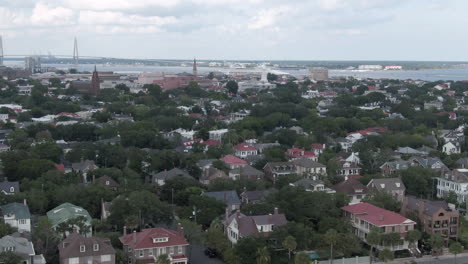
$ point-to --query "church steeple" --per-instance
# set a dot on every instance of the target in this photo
(95, 83)
(195, 71)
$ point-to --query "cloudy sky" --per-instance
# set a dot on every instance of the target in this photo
(239, 29)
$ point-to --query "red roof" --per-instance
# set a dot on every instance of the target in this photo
(60, 167)
(68, 114)
(211, 142)
(318, 146)
(244, 146)
(376, 215)
(144, 239)
(233, 160)
(193, 141)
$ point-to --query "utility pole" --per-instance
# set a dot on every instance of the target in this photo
(1, 51)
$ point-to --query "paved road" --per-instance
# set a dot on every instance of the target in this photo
(447, 259)
(199, 257)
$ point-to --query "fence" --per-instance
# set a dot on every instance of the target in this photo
(355, 260)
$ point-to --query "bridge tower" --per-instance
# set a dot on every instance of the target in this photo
(1, 51)
(75, 53)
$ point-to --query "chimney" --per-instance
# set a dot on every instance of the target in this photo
(125, 230)
(226, 215)
(24, 202)
(276, 210)
(180, 229)
(134, 236)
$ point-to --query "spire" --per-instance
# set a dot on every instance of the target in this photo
(195, 71)
(1, 51)
(75, 53)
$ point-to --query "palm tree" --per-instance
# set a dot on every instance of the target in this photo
(163, 259)
(374, 237)
(456, 248)
(302, 258)
(437, 243)
(263, 256)
(331, 237)
(290, 244)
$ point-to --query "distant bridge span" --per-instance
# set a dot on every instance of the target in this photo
(53, 56)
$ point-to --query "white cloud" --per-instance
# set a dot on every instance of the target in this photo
(268, 17)
(118, 18)
(44, 15)
(118, 4)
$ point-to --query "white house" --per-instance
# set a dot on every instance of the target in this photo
(243, 150)
(218, 134)
(451, 148)
(17, 215)
(456, 182)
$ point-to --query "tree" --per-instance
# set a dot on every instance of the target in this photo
(302, 258)
(193, 233)
(413, 236)
(263, 256)
(232, 87)
(163, 259)
(437, 242)
(383, 200)
(373, 238)
(386, 255)
(290, 244)
(331, 238)
(6, 229)
(456, 248)
(45, 239)
(9, 257)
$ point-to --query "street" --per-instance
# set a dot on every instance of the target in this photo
(199, 257)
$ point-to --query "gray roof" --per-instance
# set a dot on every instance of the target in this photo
(462, 161)
(228, 197)
(205, 162)
(427, 162)
(166, 175)
(257, 195)
(247, 171)
(21, 211)
(408, 150)
(22, 246)
(397, 164)
(430, 207)
(387, 184)
(5, 187)
(83, 165)
(308, 163)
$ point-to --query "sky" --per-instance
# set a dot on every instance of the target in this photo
(239, 29)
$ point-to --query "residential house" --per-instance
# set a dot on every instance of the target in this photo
(243, 150)
(21, 247)
(391, 167)
(17, 215)
(107, 182)
(275, 170)
(410, 151)
(240, 226)
(318, 148)
(462, 163)
(355, 190)
(263, 146)
(312, 185)
(83, 168)
(253, 197)
(205, 163)
(352, 157)
(451, 148)
(392, 186)
(363, 217)
(430, 163)
(163, 176)
(9, 188)
(67, 211)
(348, 169)
(433, 104)
(309, 167)
(210, 174)
(298, 153)
(230, 198)
(246, 172)
(78, 249)
(148, 244)
(217, 134)
(233, 162)
(436, 217)
(456, 182)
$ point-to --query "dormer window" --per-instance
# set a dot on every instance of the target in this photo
(397, 184)
(160, 239)
(12, 189)
(96, 247)
(107, 183)
(82, 248)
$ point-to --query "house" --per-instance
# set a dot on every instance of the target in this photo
(233, 162)
(211, 174)
(456, 182)
(429, 163)
(163, 176)
(9, 188)
(21, 247)
(240, 226)
(352, 157)
(312, 185)
(348, 169)
(433, 104)
(243, 150)
(17, 215)
(318, 148)
(355, 190)
(230, 198)
(275, 170)
(217, 134)
(462, 163)
(410, 151)
(67, 211)
(298, 153)
(261, 147)
(107, 182)
(364, 216)
(148, 244)
(436, 217)
(451, 148)
(253, 197)
(391, 167)
(78, 249)
(392, 186)
(306, 166)
(83, 168)
(205, 163)
(246, 172)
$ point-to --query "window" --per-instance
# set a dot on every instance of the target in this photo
(406, 228)
(150, 252)
(82, 248)
(12, 189)
(129, 249)
(74, 260)
(142, 253)
(96, 247)
(107, 183)
(105, 258)
(22, 221)
(180, 250)
(171, 250)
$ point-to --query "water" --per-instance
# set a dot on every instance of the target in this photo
(426, 75)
